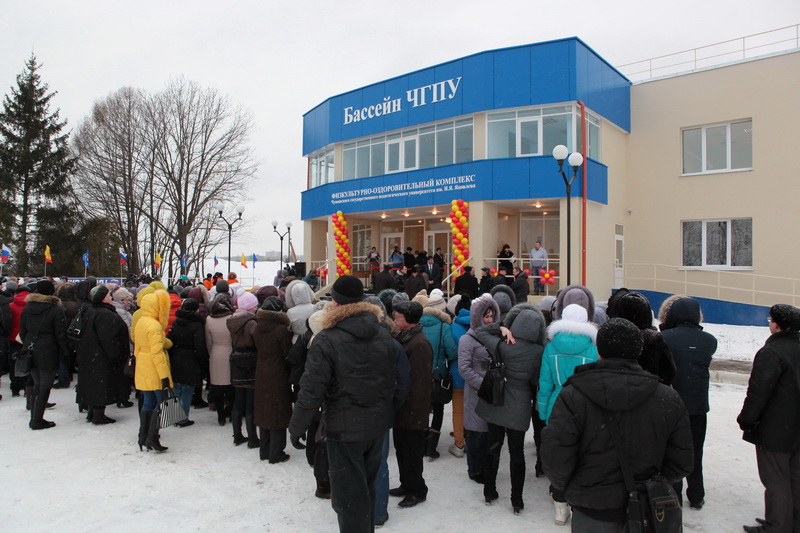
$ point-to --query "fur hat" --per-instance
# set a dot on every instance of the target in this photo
(787, 317)
(190, 304)
(97, 294)
(421, 298)
(619, 338)
(46, 287)
(412, 311)
(347, 290)
(397, 298)
(374, 300)
(436, 300)
(634, 306)
(265, 292)
(122, 293)
(273, 303)
(247, 301)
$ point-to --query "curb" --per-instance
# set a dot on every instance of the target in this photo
(735, 378)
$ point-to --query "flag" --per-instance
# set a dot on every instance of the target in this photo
(157, 261)
(244, 261)
(215, 261)
(184, 260)
(255, 260)
(86, 258)
(6, 254)
(47, 258)
(123, 259)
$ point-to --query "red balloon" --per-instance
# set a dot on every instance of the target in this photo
(527, 271)
(492, 270)
(460, 203)
(551, 281)
(552, 272)
(542, 272)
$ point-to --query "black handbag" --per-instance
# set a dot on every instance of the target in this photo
(130, 366)
(653, 506)
(243, 364)
(493, 386)
(23, 360)
(441, 386)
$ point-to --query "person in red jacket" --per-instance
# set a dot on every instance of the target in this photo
(14, 346)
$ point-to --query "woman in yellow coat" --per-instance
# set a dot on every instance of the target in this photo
(152, 375)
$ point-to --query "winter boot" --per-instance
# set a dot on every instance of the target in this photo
(491, 462)
(277, 443)
(152, 440)
(144, 426)
(89, 414)
(252, 436)
(562, 513)
(263, 444)
(29, 398)
(517, 470)
(99, 417)
(37, 411)
(236, 422)
(431, 442)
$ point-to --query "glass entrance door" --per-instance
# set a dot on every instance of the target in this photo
(388, 242)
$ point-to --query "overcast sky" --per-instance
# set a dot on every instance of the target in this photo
(280, 59)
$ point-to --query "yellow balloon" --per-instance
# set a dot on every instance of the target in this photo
(461, 258)
(462, 219)
(346, 255)
(347, 271)
(344, 223)
(338, 233)
(459, 214)
(346, 240)
(453, 267)
(339, 213)
(459, 235)
(466, 205)
(465, 225)
(454, 202)
(464, 241)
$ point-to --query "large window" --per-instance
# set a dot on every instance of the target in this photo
(537, 131)
(439, 144)
(718, 148)
(322, 167)
(718, 243)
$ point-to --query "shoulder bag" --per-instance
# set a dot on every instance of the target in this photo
(653, 506)
(441, 386)
(23, 360)
(243, 363)
(493, 385)
(170, 410)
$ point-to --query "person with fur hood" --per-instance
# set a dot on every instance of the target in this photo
(436, 327)
(574, 294)
(300, 301)
(152, 374)
(473, 361)
(505, 298)
(242, 325)
(43, 324)
(518, 344)
(572, 343)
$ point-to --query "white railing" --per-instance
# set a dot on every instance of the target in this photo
(730, 285)
(756, 45)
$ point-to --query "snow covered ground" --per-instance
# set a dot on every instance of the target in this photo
(80, 477)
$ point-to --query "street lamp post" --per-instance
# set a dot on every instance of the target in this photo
(239, 210)
(282, 235)
(575, 160)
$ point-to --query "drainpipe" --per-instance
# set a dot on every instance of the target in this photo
(583, 192)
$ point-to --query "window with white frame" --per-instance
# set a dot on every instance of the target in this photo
(726, 243)
(322, 164)
(528, 132)
(718, 148)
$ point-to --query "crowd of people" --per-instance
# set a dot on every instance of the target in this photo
(346, 376)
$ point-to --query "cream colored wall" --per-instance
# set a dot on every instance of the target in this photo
(314, 233)
(765, 90)
(482, 231)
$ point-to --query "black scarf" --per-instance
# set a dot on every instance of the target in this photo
(406, 335)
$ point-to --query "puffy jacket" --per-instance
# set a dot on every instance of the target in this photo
(350, 370)
(152, 363)
(300, 301)
(459, 328)
(436, 327)
(188, 357)
(175, 303)
(44, 314)
(16, 306)
(102, 353)
(473, 361)
(273, 394)
(571, 345)
(578, 451)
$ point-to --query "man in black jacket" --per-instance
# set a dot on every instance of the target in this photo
(486, 283)
(692, 349)
(350, 368)
(578, 452)
(520, 285)
(467, 282)
(770, 419)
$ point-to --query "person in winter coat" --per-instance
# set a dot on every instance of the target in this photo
(436, 327)
(218, 344)
(122, 300)
(200, 295)
(613, 395)
(518, 344)
(300, 302)
(473, 361)
(351, 370)
(66, 293)
(383, 279)
(459, 327)
(506, 257)
(152, 374)
(467, 282)
(188, 357)
(241, 326)
(520, 286)
(770, 419)
(572, 343)
(102, 354)
(16, 306)
(692, 349)
(505, 298)
(44, 325)
(574, 294)
(415, 283)
(411, 421)
(273, 394)
(656, 356)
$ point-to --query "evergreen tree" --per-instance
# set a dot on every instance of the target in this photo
(35, 166)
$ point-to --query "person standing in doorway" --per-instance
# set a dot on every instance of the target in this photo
(538, 262)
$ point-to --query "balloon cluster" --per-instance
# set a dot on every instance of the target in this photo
(343, 259)
(323, 274)
(459, 226)
(548, 276)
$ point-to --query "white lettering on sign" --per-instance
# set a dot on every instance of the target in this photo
(420, 96)
(425, 186)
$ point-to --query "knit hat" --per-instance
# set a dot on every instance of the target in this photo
(619, 338)
(11, 286)
(45, 287)
(190, 304)
(787, 317)
(374, 300)
(398, 298)
(273, 303)
(635, 307)
(121, 293)
(574, 313)
(247, 301)
(265, 292)
(98, 293)
(386, 296)
(453, 302)
(421, 298)
(465, 302)
(436, 300)
(412, 311)
(347, 290)
(222, 286)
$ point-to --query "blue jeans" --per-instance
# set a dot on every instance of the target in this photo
(185, 393)
(382, 484)
(151, 400)
(354, 467)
